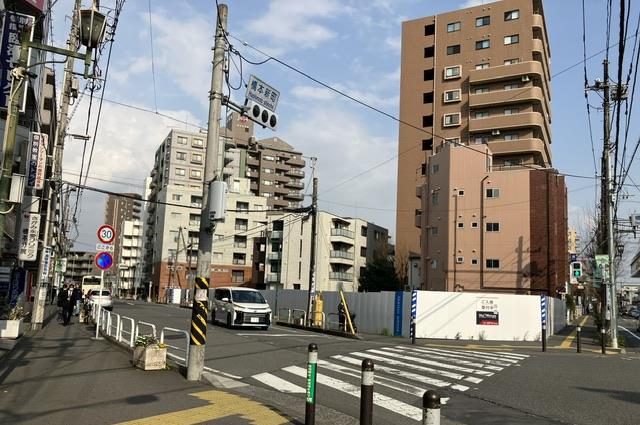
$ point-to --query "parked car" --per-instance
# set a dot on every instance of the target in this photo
(634, 313)
(104, 300)
(237, 306)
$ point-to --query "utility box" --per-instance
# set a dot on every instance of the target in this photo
(217, 200)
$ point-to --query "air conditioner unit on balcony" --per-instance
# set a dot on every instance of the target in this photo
(525, 78)
(495, 132)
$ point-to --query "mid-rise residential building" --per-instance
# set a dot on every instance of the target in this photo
(344, 246)
(130, 257)
(476, 76)
(120, 208)
(572, 241)
(79, 264)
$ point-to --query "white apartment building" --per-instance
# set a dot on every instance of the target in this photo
(130, 260)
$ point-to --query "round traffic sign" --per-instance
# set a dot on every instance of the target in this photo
(104, 260)
(106, 234)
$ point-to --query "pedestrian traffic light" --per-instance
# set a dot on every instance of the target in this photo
(261, 115)
(577, 269)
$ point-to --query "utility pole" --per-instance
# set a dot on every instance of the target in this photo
(72, 42)
(212, 171)
(314, 237)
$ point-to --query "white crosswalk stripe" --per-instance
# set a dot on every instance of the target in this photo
(402, 374)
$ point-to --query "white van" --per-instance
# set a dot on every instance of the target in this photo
(238, 306)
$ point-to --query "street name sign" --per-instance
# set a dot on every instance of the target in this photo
(262, 93)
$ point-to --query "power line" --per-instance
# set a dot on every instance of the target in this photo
(153, 62)
(586, 83)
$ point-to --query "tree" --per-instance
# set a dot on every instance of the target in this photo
(380, 275)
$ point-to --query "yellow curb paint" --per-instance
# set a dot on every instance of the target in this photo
(221, 405)
(569, 339)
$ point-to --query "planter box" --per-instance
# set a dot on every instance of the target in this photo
(11, 328)
(150, 358)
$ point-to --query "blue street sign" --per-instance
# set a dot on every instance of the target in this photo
(414, 308)
(397, 313)
(104, 260)
(543, 309)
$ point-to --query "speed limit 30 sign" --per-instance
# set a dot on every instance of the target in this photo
(106, 234)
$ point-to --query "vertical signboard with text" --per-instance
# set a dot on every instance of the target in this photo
(11, 26)
(29, 229)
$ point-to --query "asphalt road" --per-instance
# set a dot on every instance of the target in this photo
(522, 386)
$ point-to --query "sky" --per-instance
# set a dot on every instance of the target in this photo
(352, 45)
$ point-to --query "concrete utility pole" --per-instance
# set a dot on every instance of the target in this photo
(63, 120)
(212, 171)
(314, 236)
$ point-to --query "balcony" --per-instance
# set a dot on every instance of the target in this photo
(299, 162)
(507, 122)
(272, 278)
(281, 178)
(539, 48)
(294, 195)
(297, 184)
(341, 257)
(509, 97)
(342, 233)
(276, 234)
(538, 24)
(280, 189)
(418, 219)
(279, 165)
(239, 261)
(295, 173)
(253, 161)
(341, 276)
(274, 256)
(533, 69)
(521, 146)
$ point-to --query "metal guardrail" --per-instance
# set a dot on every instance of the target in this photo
(329, 323)
(130, 332)
(110, 326)
(288, 314)
(304, 315)
(323, 322)
(186, 350)
(151, 325)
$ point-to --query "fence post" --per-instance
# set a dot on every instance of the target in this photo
(412, 330)
(578, 334)
(431, 408)
(312, 364)
(366, 393)
(603, 335)
(544, 337)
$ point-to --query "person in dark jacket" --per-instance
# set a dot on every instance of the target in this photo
(68, 302)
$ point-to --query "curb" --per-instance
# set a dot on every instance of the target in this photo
(319, 330)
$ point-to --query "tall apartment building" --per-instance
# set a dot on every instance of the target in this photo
(344, 246)
(572, 241)
(473, 76)
(79, 264)
(119, 209)
(130, 258)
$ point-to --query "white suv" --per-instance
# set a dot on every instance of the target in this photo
(238, 306)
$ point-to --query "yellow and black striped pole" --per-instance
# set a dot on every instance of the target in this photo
(198, 337)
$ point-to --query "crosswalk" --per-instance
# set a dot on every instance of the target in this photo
(402, 374)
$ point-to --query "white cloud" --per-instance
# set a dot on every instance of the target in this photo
(312, 93)
(287, 25)
(134, 67)
(394, 43)
(472, 3)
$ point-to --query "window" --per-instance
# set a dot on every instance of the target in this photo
(483, 44)
(195, 174)
(511, 136)
(198, 143)
(474, 261)
(424, 169)
(434, 199)
(239, 241)
(435, 168)
(429, 29)
(182, 156)
(480, 90)
(451, 119)
(427, 121)
(453, 27)
(267, 183)
(268, 158)
(427, 97)
(182, 140)
(176, 197)
(492, 263)
(460, 225)
(434, 231)
(196, 201)
(453, 50)
(481, 114)
(511, 15)
(474, 225)
(363, 251)
(482, 66)
(492, 227)
(429, 51)
(460, 260)
(242, 206)
(196, 157)
(511, 86)
(237, 276)
(240, 259)
(460, 192)
(434, 264)
(427, 144)
(511, 61)
(452, 72)
(363, 230)
(452, 95)
(492, 193)
(511, 111)
(455, 142)
(428, 74)
(481, 139)
(482, 21)
(181, 172)
(511, 39)
(242, 224)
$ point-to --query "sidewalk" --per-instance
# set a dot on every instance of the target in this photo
(59, 375)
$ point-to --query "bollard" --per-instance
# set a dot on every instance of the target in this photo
(413, 330)
(603, 335)
(312, 364)
(578, 332)
(431, 408)
(544, 337)
(366, 393)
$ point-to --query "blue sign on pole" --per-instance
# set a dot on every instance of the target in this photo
(11, 27)
(397, 313)
(543, 309)
(414, 305)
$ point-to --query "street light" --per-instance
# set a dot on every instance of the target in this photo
(92, 26)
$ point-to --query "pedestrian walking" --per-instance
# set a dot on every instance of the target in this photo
(68, 303)
(341, 317)
(61, 296)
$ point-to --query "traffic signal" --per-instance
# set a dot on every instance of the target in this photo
(261, 115)
(576, 269)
